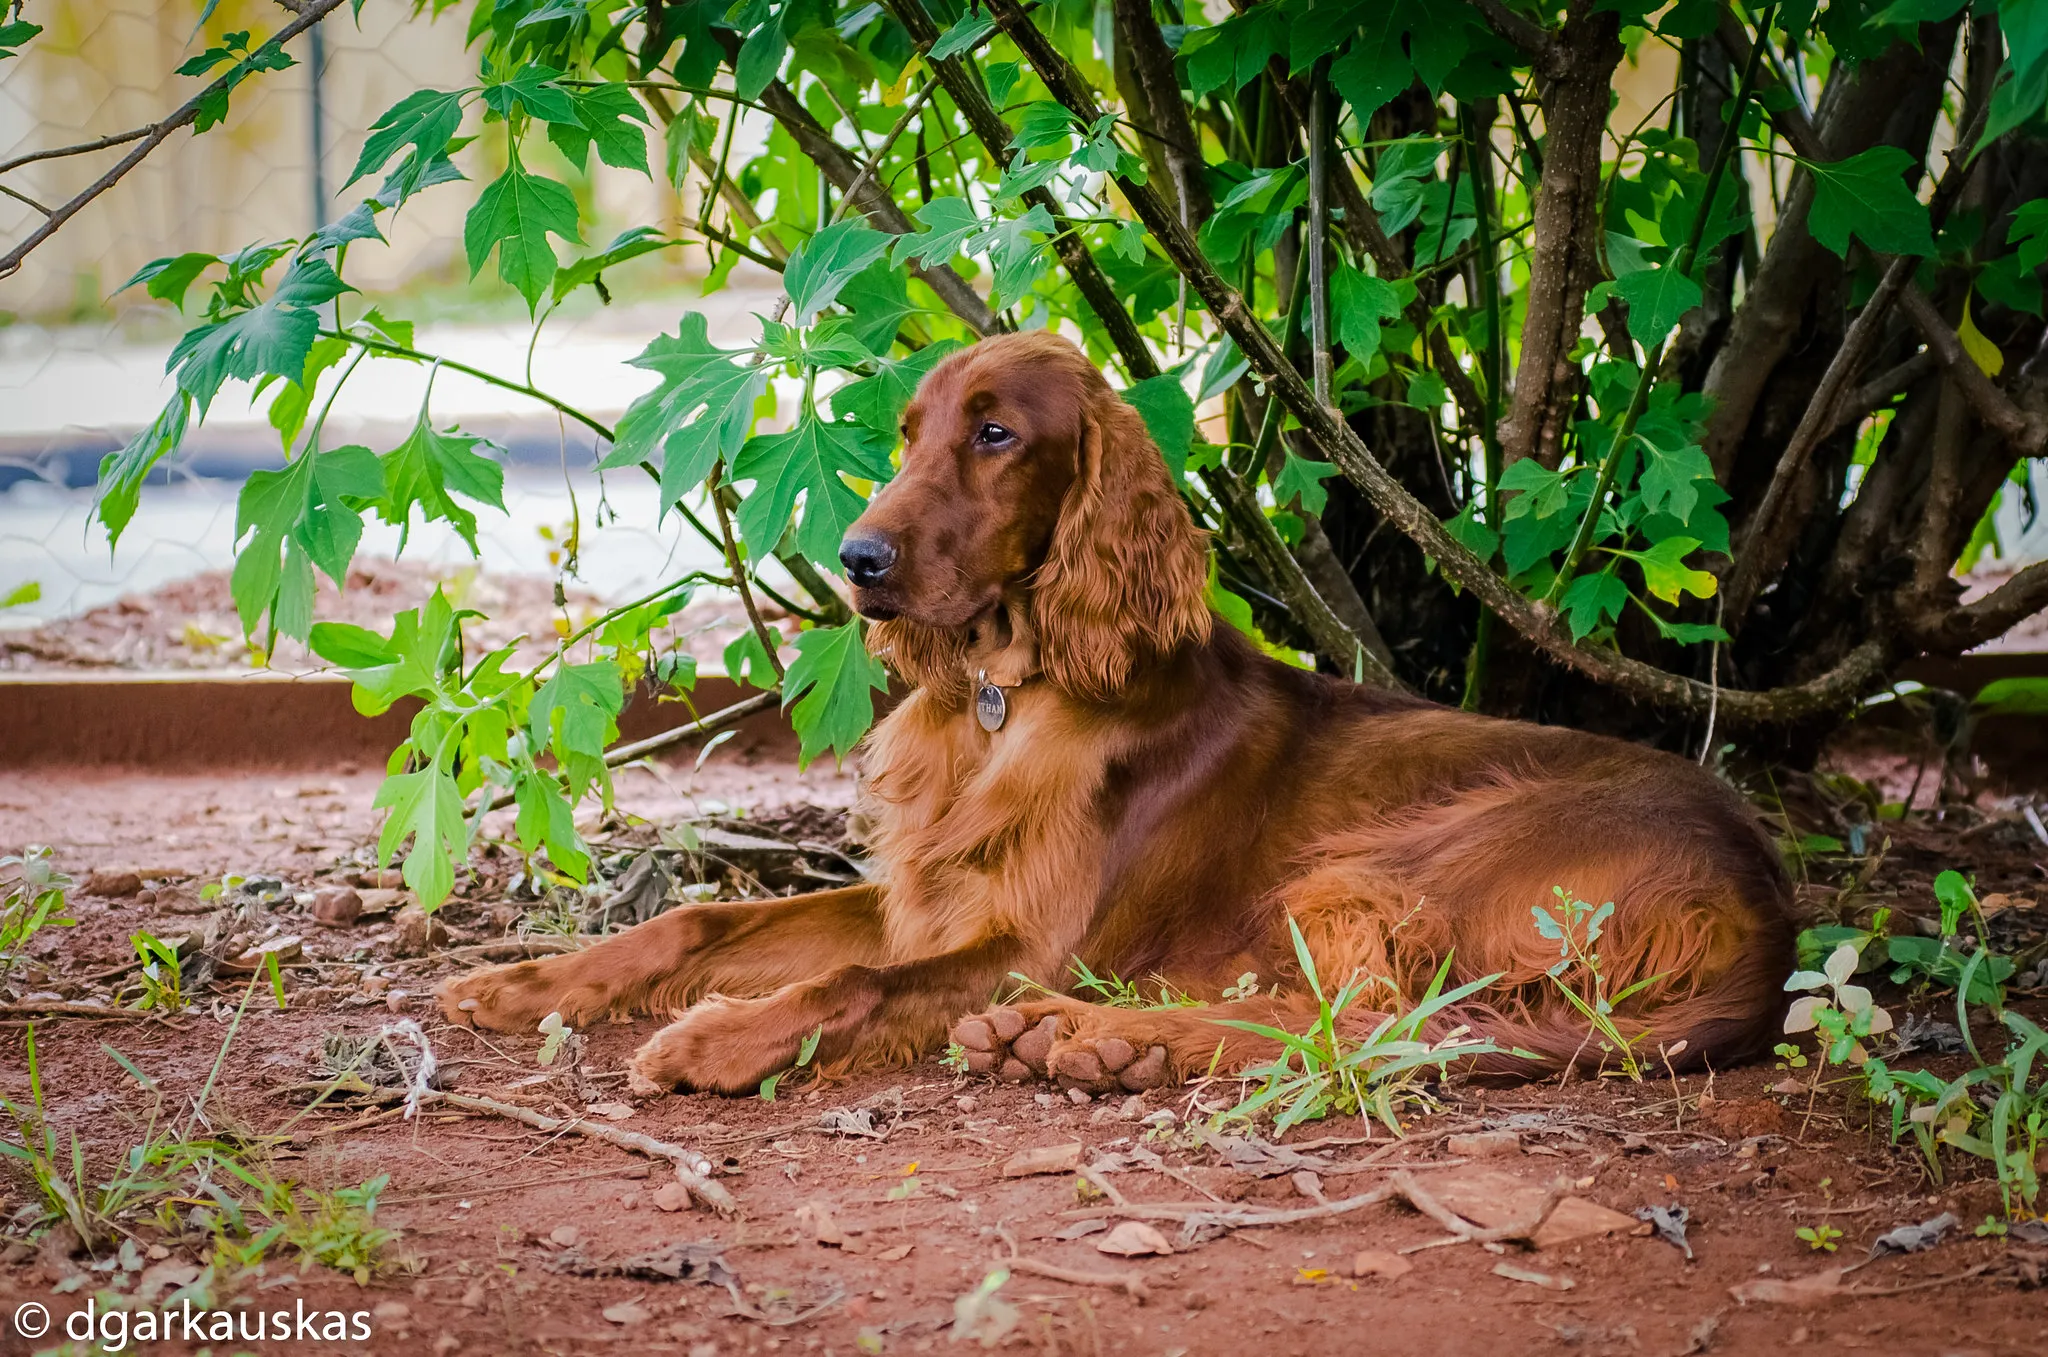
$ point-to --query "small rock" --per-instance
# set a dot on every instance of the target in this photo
(1133, 1108)
(1079, 1097)
(446, 1344)
(396, 1000)
(1484, 1144)
(1133, 1239)
(336, 906)
(375, 984)
(287, 948)
(967, 1102)
(671, 1197)
(1380, 1263)
(391, 1312)
(1196, 1299)
(377, 901)
(145, 896)
(111, 883)
(1044, 1159)
(419, 932)
(1045, 1100)
(627, 1313)
(565, 1235)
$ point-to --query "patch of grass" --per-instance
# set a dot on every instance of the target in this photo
(161, 974)
(1322, 1070)
(1575, 928)
(1111, 990)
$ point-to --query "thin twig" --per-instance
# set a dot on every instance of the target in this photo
(693, 1170)
(653, 744)
(82, 148)
(1130, 1283)
(58, 1009)
(309, 14)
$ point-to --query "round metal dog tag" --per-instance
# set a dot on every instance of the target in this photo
(991, 708)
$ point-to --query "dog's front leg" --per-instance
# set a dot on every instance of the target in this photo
(863, 1015)
(740, 947)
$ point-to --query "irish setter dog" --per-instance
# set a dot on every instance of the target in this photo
(1157, 799)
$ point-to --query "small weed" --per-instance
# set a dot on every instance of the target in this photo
(1247, 987)
(1323, 1071)
(339, 1229)
(163, 986)
(1941, 962)
(955, 1058)
(37, 897)
(1820, 1238)
(1575, 935)
(803, 1058)
(1112, 990)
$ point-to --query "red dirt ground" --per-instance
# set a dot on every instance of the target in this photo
(923, 1211)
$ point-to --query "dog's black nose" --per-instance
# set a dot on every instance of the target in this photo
(867, 559)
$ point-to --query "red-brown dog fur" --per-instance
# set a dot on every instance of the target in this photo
(1161, 799)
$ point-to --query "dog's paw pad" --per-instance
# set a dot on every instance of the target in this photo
(1148, 1071)
(1033, 1047)
(975, 1035)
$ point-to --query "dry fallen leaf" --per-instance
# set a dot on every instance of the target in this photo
(894, 1254)
(1133, 1239)
(1812, 1289)
(628, 1313)
(1044, 1159)
(1380, 1263)
(611, 1111)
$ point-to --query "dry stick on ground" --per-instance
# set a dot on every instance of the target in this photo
(1207, 1214)
(693, 1170)
(61, 1009)
(1343, 446)
(1131, 1283)
(156, 135)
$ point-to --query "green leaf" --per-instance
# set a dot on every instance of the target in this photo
(14, 34)
(1375, 69)
(2015, 101)
(575, 715)
(23, 594)
(1472, 533)
(949, 224)
(1592, 601)
(825, 263)
(1162, 402)
(628, 244)
(2025, 26)
(1688, 633)
(423, 120)
(171, 277)
(810, 459)
(429, 468)
(831, 682)
(515, 214)
(2013, 697)
(1042, 123)
(533, 89)
(1014, 246)
(1866, 195)
(877, 299)
(963, 36)
(760, 57)
(747, 660)
(1667, 576)
(1361, 304)
(879, 401)
(1656, 299)
(1670, 476)
(122, 473)
(308, 512)
(604, 114)
(271, 339)
(1303, 479)
(1231, 54)
(426, 808)
(348, 646)
(696, 377)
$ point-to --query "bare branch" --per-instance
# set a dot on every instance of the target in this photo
(1538, 42)
(1991, 616)
(1993, 406)
(82, 148)
(1880, 389)
(312, 12)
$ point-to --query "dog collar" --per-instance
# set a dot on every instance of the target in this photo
(991, 708)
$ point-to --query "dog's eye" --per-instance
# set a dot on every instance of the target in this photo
(993, 435)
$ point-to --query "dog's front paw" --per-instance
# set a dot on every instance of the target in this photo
(719, 1046)
(510, 998)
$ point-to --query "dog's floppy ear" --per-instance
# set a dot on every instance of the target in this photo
(1126, 575)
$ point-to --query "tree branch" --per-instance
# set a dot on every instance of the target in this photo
(82, 148)
(1839, 686)
(1536, 41)
(1993, 406)
(310, 13)
(1972, 624)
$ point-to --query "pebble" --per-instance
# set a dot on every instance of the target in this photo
(1079, 1097)
(1045, 1100)
(337, 906)
(967, 1102)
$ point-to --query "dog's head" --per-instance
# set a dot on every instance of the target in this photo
(1026, 478)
